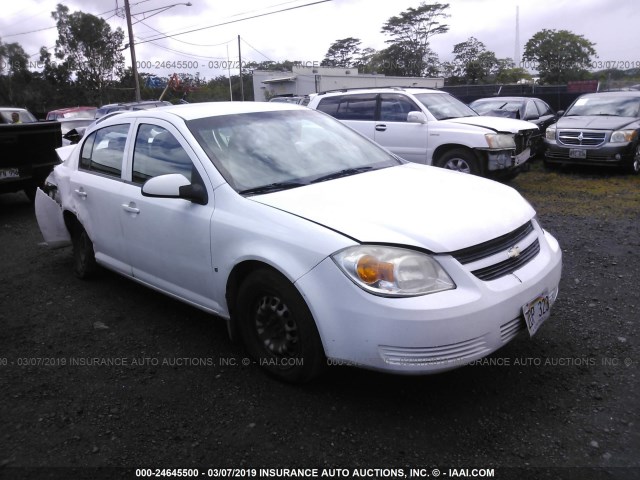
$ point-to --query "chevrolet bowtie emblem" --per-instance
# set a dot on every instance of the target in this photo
(514, 252)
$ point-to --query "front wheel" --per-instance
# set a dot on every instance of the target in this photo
(635, 163)
(277, 328)
(459, 160)
(84, 260)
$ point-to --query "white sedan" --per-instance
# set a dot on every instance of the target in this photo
(315, 245)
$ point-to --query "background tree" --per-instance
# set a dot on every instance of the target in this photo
(559, 55)
(342, 53)
(473, 63)
(88, 47)
(410, 32)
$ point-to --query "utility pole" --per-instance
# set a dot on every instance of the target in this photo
(240, 65)
(132, 48)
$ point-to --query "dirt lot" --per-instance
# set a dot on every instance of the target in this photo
(107, 374)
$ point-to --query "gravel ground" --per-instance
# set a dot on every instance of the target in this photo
(100, 378)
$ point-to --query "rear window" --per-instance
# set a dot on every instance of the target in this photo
(350, 107)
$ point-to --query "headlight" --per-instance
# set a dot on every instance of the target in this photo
(500, 140)
(392, 271)
(550, 133)
(620, 136)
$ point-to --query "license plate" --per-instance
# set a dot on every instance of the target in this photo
(9, 173)
(577, 153)
(536, 312)
(523, 156)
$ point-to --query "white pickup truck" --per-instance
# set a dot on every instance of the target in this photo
(434, 128)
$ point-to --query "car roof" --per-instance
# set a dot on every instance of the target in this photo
(412, 90)
(72, 109)
(12, 109)
(193, 111)
(626, 93)
(507, 99)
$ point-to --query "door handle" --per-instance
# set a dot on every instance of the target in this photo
(381, 128)
(131, 208)
(80, 192)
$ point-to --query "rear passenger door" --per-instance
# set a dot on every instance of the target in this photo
(392, 131)
(96, 189)
(358, 111)
(169, 239)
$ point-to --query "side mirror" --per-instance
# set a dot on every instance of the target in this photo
(416, 117)
(174, 185)
(559, 113)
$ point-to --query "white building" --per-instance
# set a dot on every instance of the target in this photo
(305, 80)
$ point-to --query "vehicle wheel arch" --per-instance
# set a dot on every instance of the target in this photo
(442, 150)
(237, 275)
(251, 280)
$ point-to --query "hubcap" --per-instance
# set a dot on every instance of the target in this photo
(636, 161)
(276, 327)
(458, 164)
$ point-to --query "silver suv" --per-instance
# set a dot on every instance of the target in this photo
(433, 127)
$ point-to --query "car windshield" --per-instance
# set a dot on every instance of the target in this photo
(269, 151)
(621, 106)
(443, 106)
(485, 107)
(23, 115)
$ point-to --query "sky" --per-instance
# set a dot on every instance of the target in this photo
(303, 30)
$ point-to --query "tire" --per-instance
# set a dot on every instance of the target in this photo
(634, 167)
(84, 260)
(30, 192)
(460, 160)
(277, 328)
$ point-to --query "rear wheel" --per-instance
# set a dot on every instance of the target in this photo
(84, 260)
(277, 328)
(459, 160)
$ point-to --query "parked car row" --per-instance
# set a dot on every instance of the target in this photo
(601, 129)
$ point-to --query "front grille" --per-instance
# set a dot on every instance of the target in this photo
(524, 139)
(581, 138)
(486, 249)
(454, 354)
(506, 244)
(510, 265)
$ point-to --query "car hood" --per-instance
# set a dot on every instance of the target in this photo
(495, 124)
(596, 122)
(417, 205)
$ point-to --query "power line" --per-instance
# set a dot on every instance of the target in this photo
(235, 21)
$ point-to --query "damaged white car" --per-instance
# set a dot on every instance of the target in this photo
(315, 244)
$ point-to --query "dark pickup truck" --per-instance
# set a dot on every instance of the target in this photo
(597, 129)
(27, 151)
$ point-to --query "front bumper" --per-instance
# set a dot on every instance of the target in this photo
(430, 333)
(605, 155)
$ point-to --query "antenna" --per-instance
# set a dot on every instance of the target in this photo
(516, 52)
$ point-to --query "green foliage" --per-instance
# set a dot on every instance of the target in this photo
(86, 48)
(342, 53)
(408, 53)
(559, 55)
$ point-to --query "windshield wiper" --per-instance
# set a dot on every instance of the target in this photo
(272, 187)
(342, 173)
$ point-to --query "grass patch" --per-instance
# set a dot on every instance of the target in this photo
(583, 192)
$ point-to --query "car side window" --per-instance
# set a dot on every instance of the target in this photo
(531, 112)
(158, 152)
(103, 150)
(357, 107)
(543, 108)
(395, 108)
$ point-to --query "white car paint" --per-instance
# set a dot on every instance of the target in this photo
(189, 250)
